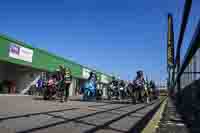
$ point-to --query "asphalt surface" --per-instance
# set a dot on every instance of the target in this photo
(24, 114)
(172, 121)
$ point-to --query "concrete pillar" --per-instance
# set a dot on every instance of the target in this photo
(104, 91)
(72, 87)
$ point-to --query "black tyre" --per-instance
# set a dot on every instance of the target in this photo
(46, 94)
(109, 94)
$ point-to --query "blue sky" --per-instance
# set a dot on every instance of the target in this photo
(114, 36)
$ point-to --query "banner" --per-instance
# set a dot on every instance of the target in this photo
(104, 79)
(170, 42)
(86, 73)
(20, 53)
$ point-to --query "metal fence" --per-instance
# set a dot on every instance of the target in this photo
(187, 71)
(192, 71)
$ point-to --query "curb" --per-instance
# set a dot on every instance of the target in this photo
(153, 123)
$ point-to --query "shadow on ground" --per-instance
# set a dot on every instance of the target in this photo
(79, 119)
(105, 101)
(189, 106)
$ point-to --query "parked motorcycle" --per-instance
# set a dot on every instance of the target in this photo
(89, 90)
(99, 94)
(131, 92)
(113, 92)
(50, 89)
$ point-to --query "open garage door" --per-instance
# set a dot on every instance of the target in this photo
(16, 78)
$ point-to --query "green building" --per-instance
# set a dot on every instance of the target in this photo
(24, 64)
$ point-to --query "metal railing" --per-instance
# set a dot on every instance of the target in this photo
(188, 70)
(191, 60)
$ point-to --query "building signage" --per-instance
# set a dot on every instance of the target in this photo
(86, 73)
(20, 53)
(104, 79)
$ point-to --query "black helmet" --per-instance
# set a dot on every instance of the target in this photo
(113, 77)
(92, 74)
(140, 73)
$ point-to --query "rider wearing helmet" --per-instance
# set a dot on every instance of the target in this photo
(92, 76)
(139, 84)
(65, 81)
(89, 89)
(114, 81)
(122, 89)
(114, 88)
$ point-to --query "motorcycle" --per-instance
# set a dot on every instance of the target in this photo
(89, 90)
(132, 92)
(112, 92)
(50, 89)
(122, 92)
(99, 94)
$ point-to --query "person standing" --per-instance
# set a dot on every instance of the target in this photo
(90, 87)
(113, 88)
(39, 86)
(139, 84)
(65, 83)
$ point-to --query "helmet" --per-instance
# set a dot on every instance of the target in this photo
(67, 71)
(113, 77)
(140, 73)
(91, 73)
(62, 66)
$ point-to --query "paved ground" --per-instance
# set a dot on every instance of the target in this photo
(28, 114)
(172, 121)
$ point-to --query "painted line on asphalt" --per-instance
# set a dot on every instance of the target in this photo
(153, 123)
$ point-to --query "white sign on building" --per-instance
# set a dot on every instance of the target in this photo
(21, 53)
(104, 79)
(86, 73)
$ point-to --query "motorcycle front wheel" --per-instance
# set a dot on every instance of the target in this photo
(110, 94)
(46, 95)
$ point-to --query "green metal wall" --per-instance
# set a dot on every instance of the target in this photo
(41, 59)
(4, 51)
(45, 60)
